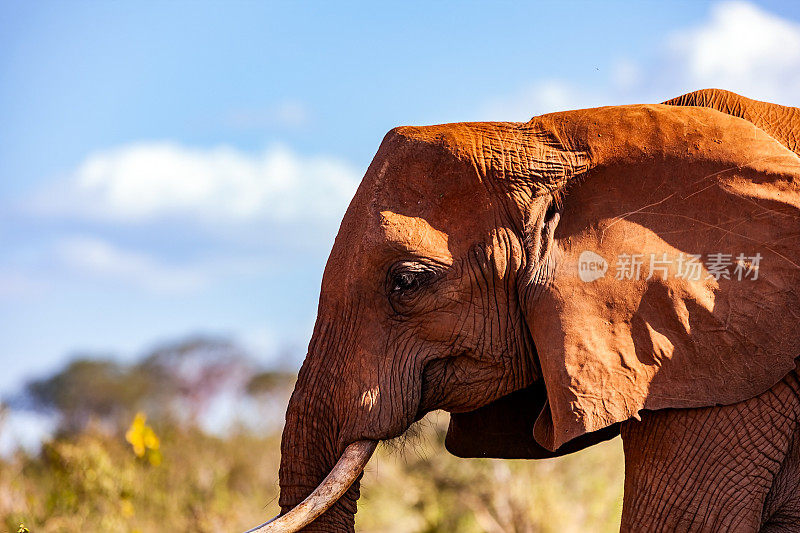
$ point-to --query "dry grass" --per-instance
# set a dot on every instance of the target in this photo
(425, 489)
(94, 482)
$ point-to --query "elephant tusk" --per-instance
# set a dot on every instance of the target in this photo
(344, 473)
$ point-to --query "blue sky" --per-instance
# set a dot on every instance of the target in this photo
(181, 167)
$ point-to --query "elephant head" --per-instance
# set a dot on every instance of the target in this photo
(533, 279)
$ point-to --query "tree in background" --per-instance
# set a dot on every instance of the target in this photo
(92, 389)
(193, 372)
(177, 381)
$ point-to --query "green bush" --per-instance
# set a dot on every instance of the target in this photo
(93, 481)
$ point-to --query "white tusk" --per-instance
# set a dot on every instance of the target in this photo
(344, 473)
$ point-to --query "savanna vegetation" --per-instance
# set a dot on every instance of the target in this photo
(138, 448)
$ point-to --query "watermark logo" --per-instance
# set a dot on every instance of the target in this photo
(591, 266)
(691, 267)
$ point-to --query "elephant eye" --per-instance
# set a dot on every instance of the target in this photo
(404, 281)
(406, 278)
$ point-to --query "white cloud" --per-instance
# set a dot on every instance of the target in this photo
(153, 180)
(101, 260)
(742, 48)
(17, 284)
(541, 97)
(626, 75)
(289, 114)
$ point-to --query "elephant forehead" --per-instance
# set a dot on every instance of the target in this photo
(414, 234)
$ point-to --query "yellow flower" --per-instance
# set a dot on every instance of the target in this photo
(126, 508)
(143, 439)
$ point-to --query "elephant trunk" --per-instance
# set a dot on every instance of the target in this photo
(346, 471)
(322, 455)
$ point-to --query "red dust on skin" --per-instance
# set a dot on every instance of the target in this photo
(447, 288)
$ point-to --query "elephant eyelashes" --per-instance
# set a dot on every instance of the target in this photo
(405, 279)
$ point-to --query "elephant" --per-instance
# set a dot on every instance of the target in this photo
(555, 283)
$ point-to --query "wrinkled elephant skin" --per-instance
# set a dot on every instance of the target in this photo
(554, 282)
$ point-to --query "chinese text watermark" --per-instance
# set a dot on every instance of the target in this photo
(691, 267)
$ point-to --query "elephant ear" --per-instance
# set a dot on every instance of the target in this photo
(677, 279)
